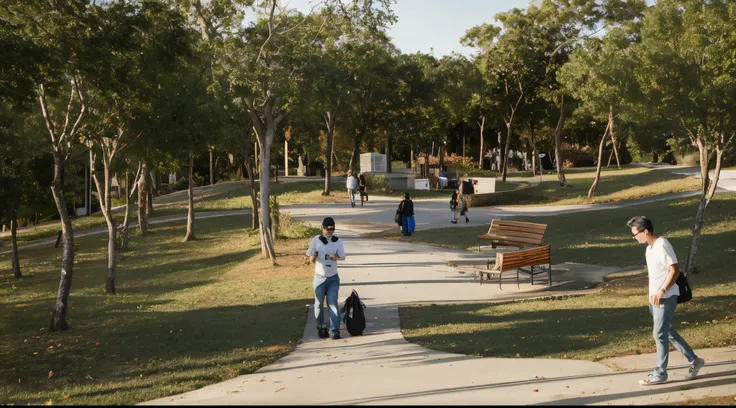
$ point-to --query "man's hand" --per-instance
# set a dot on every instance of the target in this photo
(657, 297)
(334, 257)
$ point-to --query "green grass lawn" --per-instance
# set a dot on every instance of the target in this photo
(613, 322)
(225, 196)
(615, 185)
(186, 315)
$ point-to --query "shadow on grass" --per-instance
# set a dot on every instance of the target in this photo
(549, 330)
(159, 350)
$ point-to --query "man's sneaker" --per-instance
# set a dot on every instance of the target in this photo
(323, 332)
(654, 379)
(454, 221)
(335, 336)
(694, 368)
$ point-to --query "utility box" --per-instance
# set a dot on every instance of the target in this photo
(421, 184)
(372, 163)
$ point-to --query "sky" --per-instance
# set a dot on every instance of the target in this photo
(435, 26)
(438, 25)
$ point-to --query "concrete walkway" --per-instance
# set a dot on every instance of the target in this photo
(381, 367)
(726, 180)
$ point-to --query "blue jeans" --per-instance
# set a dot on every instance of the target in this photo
(406, 228)
(665, 334)
(330, 287)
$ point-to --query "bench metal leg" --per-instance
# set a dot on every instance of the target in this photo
(481, 278)
(517, 279)
(500, 273)
(532, 275)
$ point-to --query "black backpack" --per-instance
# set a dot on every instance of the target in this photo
(354, 316)
(686, 294)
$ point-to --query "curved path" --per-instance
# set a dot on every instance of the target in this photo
(381, 367)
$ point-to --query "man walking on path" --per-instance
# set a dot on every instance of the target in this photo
(324, 252)
(352, 185)
(663, 293)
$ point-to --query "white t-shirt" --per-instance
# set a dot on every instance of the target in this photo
(324, 266)
(659, 257)
(352, 183)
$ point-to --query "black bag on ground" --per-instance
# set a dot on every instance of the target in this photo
(354, 315)
(686, 294)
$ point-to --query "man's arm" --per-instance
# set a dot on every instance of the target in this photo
(312, 252)
(339, 255)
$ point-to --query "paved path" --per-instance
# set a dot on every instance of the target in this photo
(381, 367)
(726, 180)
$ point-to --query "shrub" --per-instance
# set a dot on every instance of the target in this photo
(577, 156)
(376, 183)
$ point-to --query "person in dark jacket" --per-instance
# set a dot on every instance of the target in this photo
(362, 188)
(407, 215)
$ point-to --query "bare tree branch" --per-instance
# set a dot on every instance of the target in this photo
(47, 118)
(270, 30)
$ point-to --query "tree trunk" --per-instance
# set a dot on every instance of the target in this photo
(615, 149)
(149, 196)
(106, 207)
(190, 215)
(558, 145)
(600, 156)
(355, 159)
(482, 151)
(388, 151)
(266, 235)
(330, 122)
(14, 239)
(509, 132)
(142, 195)
(704, 201)
(58, 318)
(535, 155)
(126, 221)
(212, 170)
(254, 200)
(500, 151)
(257, 156)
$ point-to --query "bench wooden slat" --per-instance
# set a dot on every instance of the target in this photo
(508, 261)
(518, 234)
(509, 238)
(515, 233)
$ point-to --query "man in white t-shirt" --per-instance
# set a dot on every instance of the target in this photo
(352, 185)
(324, 252)
(663, 293)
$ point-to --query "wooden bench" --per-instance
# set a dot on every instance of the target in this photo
(531, 258)
(513, 233)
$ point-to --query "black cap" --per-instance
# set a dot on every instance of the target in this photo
(328, 222)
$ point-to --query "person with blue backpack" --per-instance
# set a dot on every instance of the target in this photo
(406, 209)
(324, 252)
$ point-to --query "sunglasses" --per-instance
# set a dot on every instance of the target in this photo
(638, 233)
(329, 228)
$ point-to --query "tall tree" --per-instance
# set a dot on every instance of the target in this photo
(686, 67)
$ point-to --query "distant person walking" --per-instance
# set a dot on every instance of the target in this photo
(461, 207)
(362, 188)
(663, 293)
(406, 207)
(352, 185)
(324, 252)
